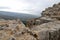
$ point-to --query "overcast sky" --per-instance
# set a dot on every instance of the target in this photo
(26, 6)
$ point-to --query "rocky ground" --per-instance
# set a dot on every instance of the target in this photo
(46, 27)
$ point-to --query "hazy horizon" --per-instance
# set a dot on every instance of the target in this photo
(34, 7)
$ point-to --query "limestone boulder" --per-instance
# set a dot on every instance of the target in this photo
(47, 31)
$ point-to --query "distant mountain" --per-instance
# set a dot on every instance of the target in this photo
(14, 15)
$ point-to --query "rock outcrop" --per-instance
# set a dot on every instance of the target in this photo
(46, 27)
(14, 30)
(48, 15)
(53, 12)
(38, 21)
(47, 31)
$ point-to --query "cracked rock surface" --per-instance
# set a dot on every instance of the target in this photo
(14, 30)
(47, 31)
(46, 27)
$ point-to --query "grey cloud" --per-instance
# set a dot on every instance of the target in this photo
(40, 4)
(4, 8)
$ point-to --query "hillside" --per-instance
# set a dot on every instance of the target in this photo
(13, 15)
(53, 12)
(46, 27)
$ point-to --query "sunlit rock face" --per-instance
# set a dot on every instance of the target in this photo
(53, 12)
(39, 21)
(48, 15)
(47, 31)
(14, 30)
(46, 27)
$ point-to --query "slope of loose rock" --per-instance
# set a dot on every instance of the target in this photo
(14, 30)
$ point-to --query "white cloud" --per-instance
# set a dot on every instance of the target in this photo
(26, 6)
